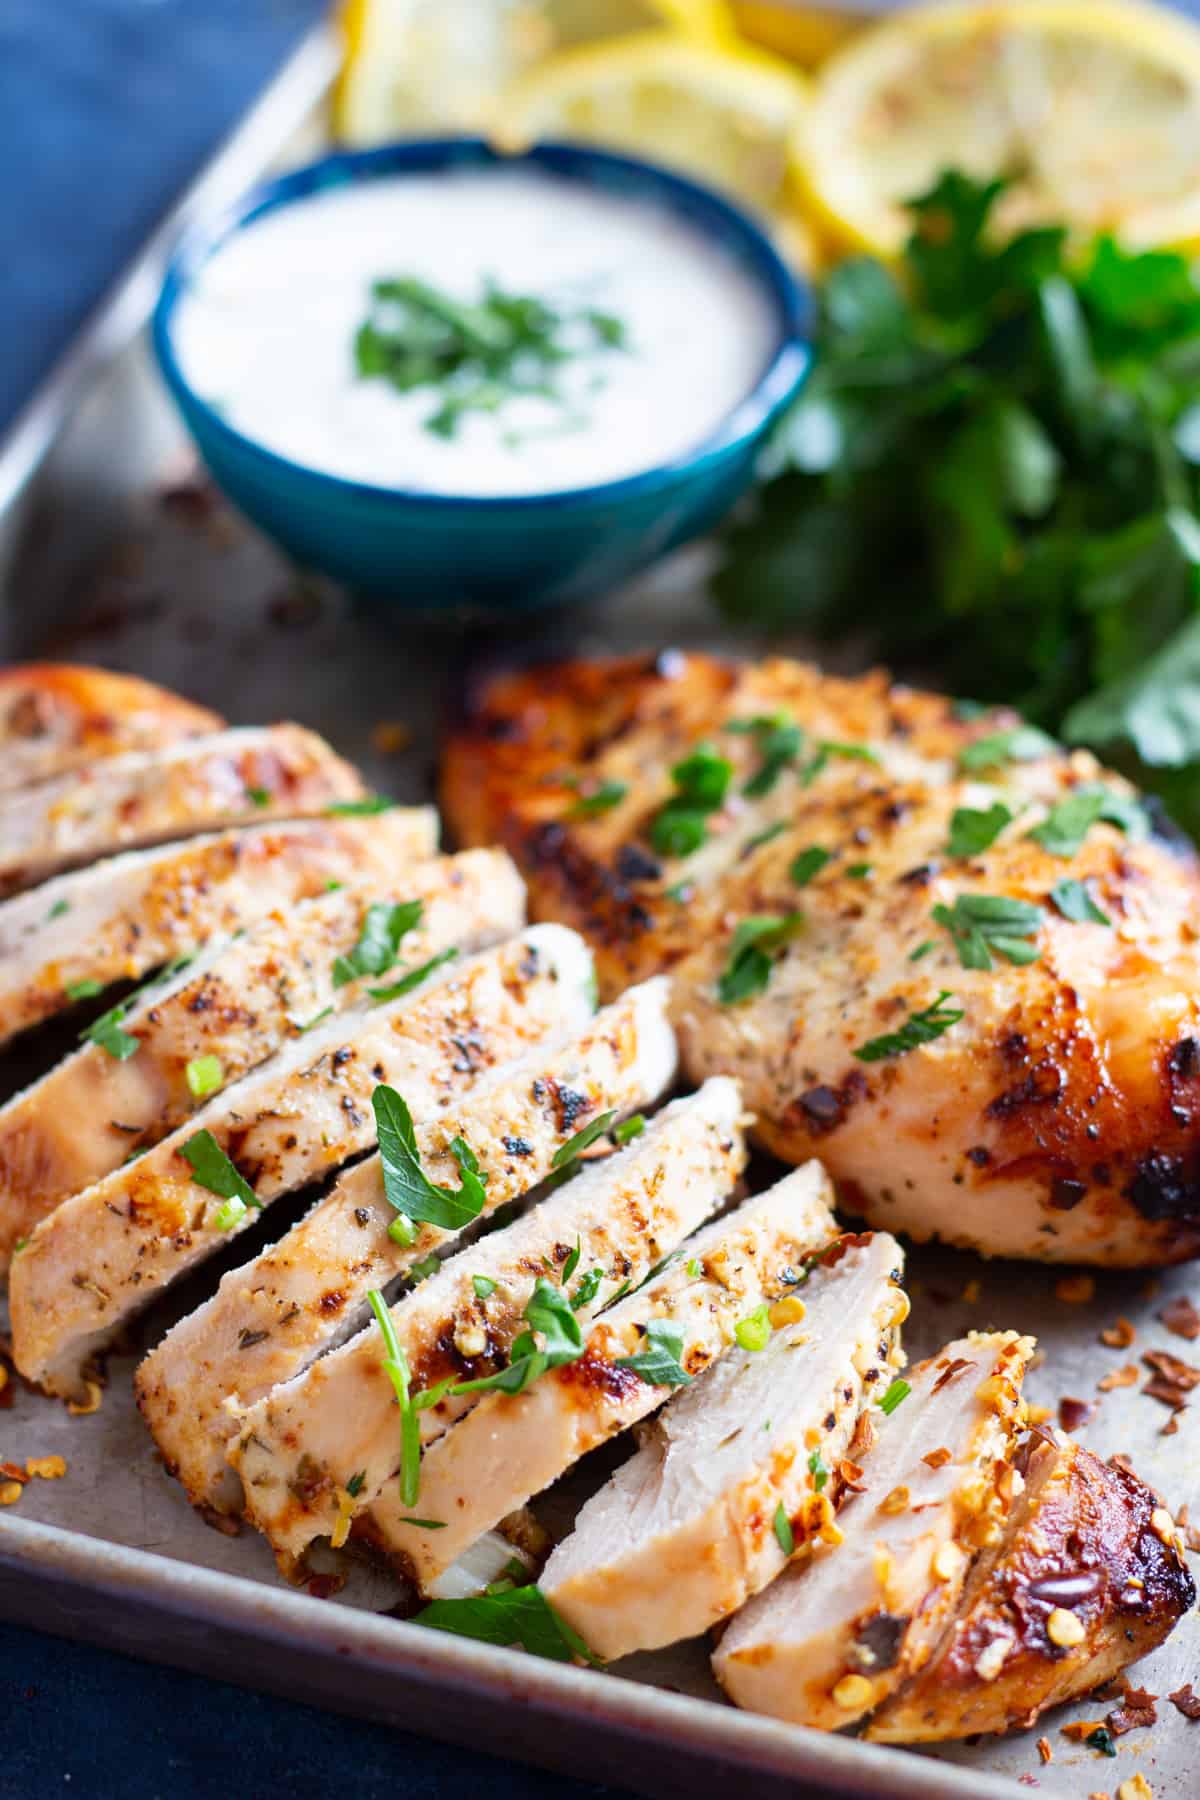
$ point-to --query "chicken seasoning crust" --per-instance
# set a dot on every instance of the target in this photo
(974, 992)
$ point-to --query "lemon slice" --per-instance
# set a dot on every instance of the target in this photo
(725, 112)
(412, 65)
(1093, 110)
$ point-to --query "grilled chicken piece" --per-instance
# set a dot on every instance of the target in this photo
(122, 918)
(737, 1471)
(59, 716)
(231, 777)
(1088, 1552)
(104, 1254)
(624, 1213)
(273, 1316)
(510, 1447)
(832, 1638)
(232, 1006)
(1055, 1120)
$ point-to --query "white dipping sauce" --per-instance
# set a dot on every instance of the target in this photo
(266, 332)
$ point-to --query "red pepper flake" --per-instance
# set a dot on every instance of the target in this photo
(1118, 1336)
(1119, 1378)
(1186, 1701)
(952, 1368)
(937, 1459)
(10, 1471)
(1181, 1317)
(1172, 1379)
(1132, 1718)
(1081, 1729)
(1044, 1749)
(1072, 1413)
(324, 1587)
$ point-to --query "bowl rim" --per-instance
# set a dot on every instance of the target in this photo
(789, 364)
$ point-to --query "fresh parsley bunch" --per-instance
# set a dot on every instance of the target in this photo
(993, 472)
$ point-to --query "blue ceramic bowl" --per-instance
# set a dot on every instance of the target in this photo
(432, 550)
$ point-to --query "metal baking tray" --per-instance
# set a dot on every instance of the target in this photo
(111, 551)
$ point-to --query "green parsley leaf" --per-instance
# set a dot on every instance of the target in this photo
(483, 1285)
(396, 990)
(600, 800)
(1075, 903)
(567, 1153)
(919, 1028)
(356, 809)
(572, 1263)
(810, 862)
(549, 1313)
(1068, 822)
(660, 1362)
(921, 950)
(106, 1032)
(859, 871)
(586, 1289)
(58, 909)
(766, 836)
(785, 1536)
(212, 1169)
(754, 1331)
(520, 1617)
(426, 1524)
(829, 748)
(396, 1367)
(629, 1128)
(383, 927)
(818, 1471)
(972, 831)
(701, 784)
(407, 1187)
(778, 740)
(751, 955)
(425, 1267)
(261, 796)
(983, 923)
(204, 1076)
(898, 1391)
(83, 990)
(1020, 743)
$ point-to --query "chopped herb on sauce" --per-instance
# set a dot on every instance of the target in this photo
(400, 1375)
(396, 990)
(407, 1187)
(784, 1534)
(751, 959)
(84, 990)
(1075, 903)
(600, 800)
(550, 1314)
(1020, 743)
(355, 809)
(574, 1147)
(483, 1285)
(919, 1028)
(520, 1617)
(817, 1470)
(982, 923)
(629, 1128)
(974, 830)
(701, 784)
(212, 1169)
(659, 1363)
(810, 862)
(383, 926)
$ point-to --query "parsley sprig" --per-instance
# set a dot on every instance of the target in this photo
(919, 1028)
(415, 1198)
(981, 924)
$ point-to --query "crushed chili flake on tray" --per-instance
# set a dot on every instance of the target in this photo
(1124, 1377)
(1073, 1413)
(47, 1468)
(1120, 1335)
(1044, 1749)
(1172, 1379)
(1186, 1701)
(1136, 1712)
(1181, 1317)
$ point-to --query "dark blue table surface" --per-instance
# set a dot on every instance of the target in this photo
(107, 107)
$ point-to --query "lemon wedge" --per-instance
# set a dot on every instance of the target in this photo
(1092, 110)
(723, 112)
(412, 65)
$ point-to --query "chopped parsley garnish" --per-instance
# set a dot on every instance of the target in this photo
(1068, 822)
(549, 1313)
(600, 800)
(395, 1364)
(659, 1363)
(784, 1534)
(107, 1034)
(751, 957)
(810, 862)
(818, 1471)
(424, 1268)
(919, 1028)
(261, 796)
(974, 830)
(766, 836)
(898, 1391)
(701, 784)
(754, 1331)
(204, 1076)
(572, 1263)
(1101, 1740)
(1020, 743)
(1075, 903)
(212, 1169)
(317, 1018)
(413, 978)
(407, 1187)
(778, 741)
(859, 871)
(483, 1285)
(629, 1128)
(84, 990)
(356, 1483)
(519, 1617)
(587, 1289)
(567, 1153)
(921, 950)
(828, 748)
(383, 927)
(476, 356)
(983, 923)
(58, 909)
(354, 809)
(426, 1524)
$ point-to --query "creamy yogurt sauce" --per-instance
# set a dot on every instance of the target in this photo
(267, 331)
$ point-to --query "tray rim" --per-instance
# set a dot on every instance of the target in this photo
(184, 1614)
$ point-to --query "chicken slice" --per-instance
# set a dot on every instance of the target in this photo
(270, 1318)
(735, 1472)
(58, 716)
(300, 1447)
(104, 1254)
(1088, 1576)
(510, 1447)
(1055, 1118)
(230, 777)
(227, 1011)
(121, 918)
(830, 1639)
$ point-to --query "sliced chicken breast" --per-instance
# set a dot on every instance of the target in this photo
(981, 1003)
(318, 1451)
(737, 1472)
(59, 716)
(272, 1317)
(830, 1639)
(511, 1446)
(124, 917)
(142, 1072)
(231, 777)
(1088, 1576)
(104, 1254)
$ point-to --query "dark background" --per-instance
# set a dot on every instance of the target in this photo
(107, 107)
